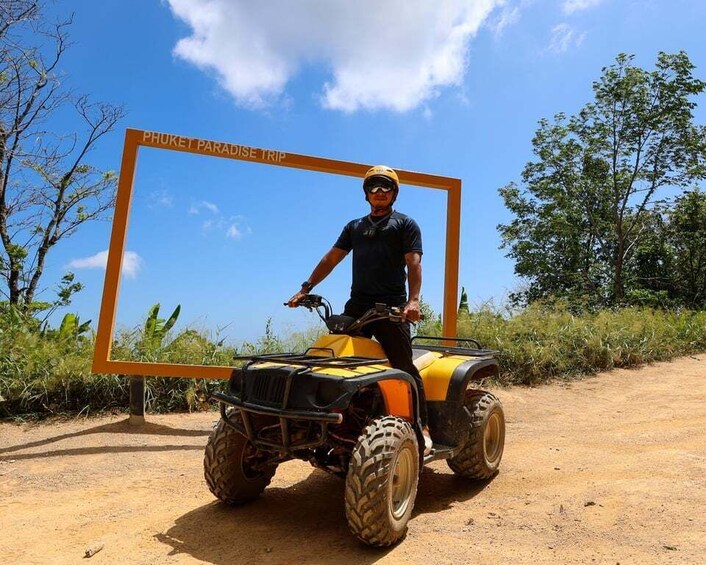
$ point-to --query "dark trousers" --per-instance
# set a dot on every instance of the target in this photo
(395, 339)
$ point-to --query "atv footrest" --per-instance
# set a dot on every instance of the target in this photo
(439, 451)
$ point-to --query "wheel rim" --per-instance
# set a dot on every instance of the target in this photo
(493, 438)
(402, 483)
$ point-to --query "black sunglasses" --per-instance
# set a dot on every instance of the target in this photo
(376, 185)
(377, 188)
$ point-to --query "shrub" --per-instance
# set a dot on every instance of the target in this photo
(42, 372)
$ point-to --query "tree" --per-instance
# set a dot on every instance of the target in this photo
(47, 187)
(687, 233)
(650, 278)
(463, 303)
(580, 214)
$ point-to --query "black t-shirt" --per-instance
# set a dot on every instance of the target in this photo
(379, 247)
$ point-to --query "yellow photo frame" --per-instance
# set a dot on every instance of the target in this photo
(134, 139)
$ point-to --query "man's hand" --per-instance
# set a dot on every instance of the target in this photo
(296, 299)
(411, 311)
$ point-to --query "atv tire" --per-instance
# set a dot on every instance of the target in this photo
(381, 484)
(227, 466)
(480, 456)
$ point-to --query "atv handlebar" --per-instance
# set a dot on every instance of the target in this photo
(338, 324)
(314, 302)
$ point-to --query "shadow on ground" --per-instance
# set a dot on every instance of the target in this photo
(303, 523)
(121, 427)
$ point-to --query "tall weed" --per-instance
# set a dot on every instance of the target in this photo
(550, 342)
(42, 373)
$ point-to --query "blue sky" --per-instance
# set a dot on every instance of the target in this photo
(446, 87)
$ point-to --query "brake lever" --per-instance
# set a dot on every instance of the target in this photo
(310, 308)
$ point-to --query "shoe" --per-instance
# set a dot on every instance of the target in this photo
(428, 443)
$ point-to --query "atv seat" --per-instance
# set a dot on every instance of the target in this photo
(338, 323)
(422, 358)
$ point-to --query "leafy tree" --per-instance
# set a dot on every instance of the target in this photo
(47, 187)
(650, 277)
(598, 174)
(687, 233)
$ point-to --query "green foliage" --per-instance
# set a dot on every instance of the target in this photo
(669, 267)
(430, 323)
(154, 332)
(463, 303)
(49, 372)
(42, 373)
(687, 235)
(67, 288)
(71, 328)
(590, 197)
(548, 341)
(268, 343)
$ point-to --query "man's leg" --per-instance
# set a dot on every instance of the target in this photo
(395, 340)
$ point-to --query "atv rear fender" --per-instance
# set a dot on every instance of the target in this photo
(448, 418)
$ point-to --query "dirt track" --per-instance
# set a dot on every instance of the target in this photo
(608, 470)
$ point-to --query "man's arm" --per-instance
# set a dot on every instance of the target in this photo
(320, 272)
(414, 278)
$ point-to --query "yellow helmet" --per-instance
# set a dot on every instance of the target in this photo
(381, 172)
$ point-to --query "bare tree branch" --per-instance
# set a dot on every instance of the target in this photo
(47, 189)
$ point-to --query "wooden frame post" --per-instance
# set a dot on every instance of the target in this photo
(137, 399)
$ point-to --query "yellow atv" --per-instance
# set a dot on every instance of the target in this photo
(341, 407)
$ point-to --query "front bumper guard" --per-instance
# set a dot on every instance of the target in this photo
(287, 446)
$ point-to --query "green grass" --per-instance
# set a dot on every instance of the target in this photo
(545, 343)
(43, 374)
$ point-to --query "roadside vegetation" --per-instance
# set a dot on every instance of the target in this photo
(48, 371)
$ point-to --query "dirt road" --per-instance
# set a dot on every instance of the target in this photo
(611, 469)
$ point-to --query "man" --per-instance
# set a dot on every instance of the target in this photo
(384, 243)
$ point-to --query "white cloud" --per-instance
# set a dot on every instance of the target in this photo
(233, 232)
(563, 37)
(132, 263)
(380, 54)
(571, 6)
(509, 16)
(160, 199)
(210, 207)
(203, 205)
(238, 227)
(234, 227)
